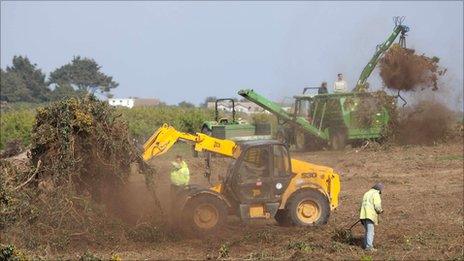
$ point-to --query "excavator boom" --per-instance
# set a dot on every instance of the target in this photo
(166, 136)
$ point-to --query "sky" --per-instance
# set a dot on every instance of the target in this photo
(179, 51)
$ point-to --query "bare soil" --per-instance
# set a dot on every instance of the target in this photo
(423, 217)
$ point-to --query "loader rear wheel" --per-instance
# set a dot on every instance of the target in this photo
(205, 214)
(309, 208)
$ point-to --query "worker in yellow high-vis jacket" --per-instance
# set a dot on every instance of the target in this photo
(371, 207)
(180, 176)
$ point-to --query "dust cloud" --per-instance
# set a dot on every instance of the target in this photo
(425, 123)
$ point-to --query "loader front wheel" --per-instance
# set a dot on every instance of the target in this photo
(309, 208)
(205, 214)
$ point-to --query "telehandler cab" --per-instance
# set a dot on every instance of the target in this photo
(262, 182)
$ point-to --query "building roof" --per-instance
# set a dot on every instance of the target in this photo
(146, 102)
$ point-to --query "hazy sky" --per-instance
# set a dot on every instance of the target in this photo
(189, 50)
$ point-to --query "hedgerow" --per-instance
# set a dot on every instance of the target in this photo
(142, 121)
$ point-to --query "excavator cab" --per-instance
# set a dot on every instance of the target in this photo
(224, 120)
(227, 125)
(258, 179)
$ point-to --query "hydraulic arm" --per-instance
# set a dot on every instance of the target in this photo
(399, 29)
(277, 110)
(166, 136)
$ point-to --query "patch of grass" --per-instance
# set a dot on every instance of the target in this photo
(88, 256)
(146, 233)
(115, 257)
(450, 157)
(224, 251)
(265, 235)
(10, 253)
(407, 243)
(336, 247)
(366, 258)
(258, 255)
(300, 246)
(343, 236)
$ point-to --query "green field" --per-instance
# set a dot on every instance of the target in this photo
(17, 120)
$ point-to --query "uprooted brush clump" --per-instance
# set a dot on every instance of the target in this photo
(403, 70)
(83, 142)
(81, 154)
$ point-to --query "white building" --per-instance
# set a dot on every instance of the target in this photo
(125, 102)
(133, 102)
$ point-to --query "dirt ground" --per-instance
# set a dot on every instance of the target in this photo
(423, 218)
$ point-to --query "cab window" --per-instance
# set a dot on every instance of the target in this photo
(255, 164)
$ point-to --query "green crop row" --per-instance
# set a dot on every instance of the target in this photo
(17, 122)
(16, 125)
(142, 122)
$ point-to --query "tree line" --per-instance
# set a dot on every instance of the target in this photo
(24, 81)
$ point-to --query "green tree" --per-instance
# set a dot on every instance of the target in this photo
(13, 88)
(65, 91)
(185, 104)
(23, 81)
(83, 74)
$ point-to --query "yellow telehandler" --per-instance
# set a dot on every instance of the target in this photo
(262, 182)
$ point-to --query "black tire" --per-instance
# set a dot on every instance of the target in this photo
(314, 200)
(282, 218)
(337, 140)
(209, 224)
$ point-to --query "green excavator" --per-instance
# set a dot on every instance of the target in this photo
(337, 119)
